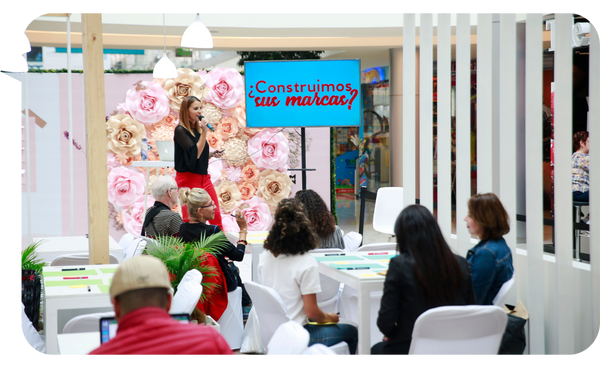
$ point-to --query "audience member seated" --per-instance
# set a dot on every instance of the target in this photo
(580, 167)
(160, 219)
(286, 266)
(323, 221)
(201, 208)
(425, 275)
(491, 259)
(141, 300)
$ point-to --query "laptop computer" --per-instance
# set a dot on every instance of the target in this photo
(166, 150)
(108, 325)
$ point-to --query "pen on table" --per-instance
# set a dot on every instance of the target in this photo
(75, 278)
(376, 254)
(89, 289)
(358, 268)
(69, 269)
(336, 254)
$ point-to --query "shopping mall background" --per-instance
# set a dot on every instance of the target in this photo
(375, 40)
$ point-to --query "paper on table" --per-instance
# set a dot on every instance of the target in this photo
(341, 262)
(368, 275)
(77, 286)
(70, 273)
(104, 288)
(108, 270)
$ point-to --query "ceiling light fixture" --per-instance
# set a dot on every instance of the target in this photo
(197, 36)
(165, 67)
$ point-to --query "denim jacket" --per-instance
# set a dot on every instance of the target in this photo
(491, 266)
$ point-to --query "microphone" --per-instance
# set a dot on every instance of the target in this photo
(200, 117)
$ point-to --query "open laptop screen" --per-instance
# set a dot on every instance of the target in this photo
(108, 326)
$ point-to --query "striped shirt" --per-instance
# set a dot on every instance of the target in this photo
(580, 168)
(166, 222)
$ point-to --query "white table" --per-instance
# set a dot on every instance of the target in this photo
(363, 280)
(52, 247)
(59, 295)
(156, 165)
(81, 343)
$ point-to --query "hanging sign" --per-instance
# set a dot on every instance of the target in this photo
(303, 93)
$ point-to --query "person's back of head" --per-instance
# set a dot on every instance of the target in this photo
(317, 212)
(436, 269)
(193, 198)
(489, 213)
(161, 185)
(292, 233)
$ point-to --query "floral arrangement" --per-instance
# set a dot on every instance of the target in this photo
(251, 175)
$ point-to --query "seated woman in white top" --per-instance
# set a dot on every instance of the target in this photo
(287, 267)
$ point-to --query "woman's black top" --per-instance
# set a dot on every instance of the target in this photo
(193, 232)
(186, 152)
(402, 302)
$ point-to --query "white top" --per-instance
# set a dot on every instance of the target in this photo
(292, 277)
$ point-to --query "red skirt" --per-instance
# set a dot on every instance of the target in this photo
(191, 180)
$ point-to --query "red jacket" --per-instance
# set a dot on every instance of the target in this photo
(151, 330)
(217, 298)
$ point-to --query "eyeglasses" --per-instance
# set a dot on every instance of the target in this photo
(170, 189)
(209, 205)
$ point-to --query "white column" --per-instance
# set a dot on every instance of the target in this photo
(426, 111)
(70, 100)
(408, 110)
(484, 103)
(396, 96)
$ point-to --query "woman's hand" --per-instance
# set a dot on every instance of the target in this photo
(332, 317)
(241, 220)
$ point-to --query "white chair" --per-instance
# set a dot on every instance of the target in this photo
(188, 293)
(352, 241)
(150, 243)
(388, 205)
(31, 335)
(86, 322)
(500, 297)
(386, 246)
(348, 307)
(470, 329)
(290, 338)
(79, 259)
(126, 241)
(135, 248)
(232, 319)
(272, 312)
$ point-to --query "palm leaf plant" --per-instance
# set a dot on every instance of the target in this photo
(179, 257)
(30, 260)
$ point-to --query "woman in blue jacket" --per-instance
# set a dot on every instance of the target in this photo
(491, 259)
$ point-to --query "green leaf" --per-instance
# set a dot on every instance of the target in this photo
(30, 260)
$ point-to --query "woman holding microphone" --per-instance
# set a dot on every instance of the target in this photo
(192, 154)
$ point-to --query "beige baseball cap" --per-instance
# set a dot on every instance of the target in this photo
(141, 272)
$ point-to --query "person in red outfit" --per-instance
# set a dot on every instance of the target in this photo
(141, 300)
(192, 154)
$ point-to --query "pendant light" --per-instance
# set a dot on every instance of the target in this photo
(165, 67)
(197, 36)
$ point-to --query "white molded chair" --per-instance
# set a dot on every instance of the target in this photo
(79, 259)
(500, 297)
(135, 248)
(470, 329)
(232, 319)
(272, 313)
(386, 246)
(352, 241)
(86, 322)
(126, 241)
(290, 338)
(188, 293)
(31, 335)
(348, 306)
(388, 205)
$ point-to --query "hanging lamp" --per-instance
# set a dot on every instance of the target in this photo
(197, 36)
(165, 67)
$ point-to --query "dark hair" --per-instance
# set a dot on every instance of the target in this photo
(436, 270)
(487, 211)
(184, 118)
(578, 138)
(292, 232)
(316, 210)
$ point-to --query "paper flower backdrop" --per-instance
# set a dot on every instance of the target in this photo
(250, 176)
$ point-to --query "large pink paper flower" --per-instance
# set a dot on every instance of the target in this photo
(250, 174)
(229, 196)
(226, 87)
(269, 150)
(228, 128)
(258, 215)
(239, 113)
(215, 168)
(229, 223)
(125, 186)
(247, 190)
(147, 103)
(133, 216)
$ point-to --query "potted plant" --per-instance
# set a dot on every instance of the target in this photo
(31, 288)
(179, 257)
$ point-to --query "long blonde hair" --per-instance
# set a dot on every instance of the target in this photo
(193, 199)
(184, 111)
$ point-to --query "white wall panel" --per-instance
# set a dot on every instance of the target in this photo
(444, 168)
(563, 200)
(484, 103)
(463, 129)
(426, 111)
(408, 110)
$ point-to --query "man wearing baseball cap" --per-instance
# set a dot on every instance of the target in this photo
(140, 296)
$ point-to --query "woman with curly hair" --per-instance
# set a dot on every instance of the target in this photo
(286, 266)
(323, 221)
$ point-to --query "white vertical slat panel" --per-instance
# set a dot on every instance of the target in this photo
(463, 129)
(508, 123)
(426, 111)
(563, 200)
(444, 96)
(594, 129)
(534, 178)
(484, 103)
(408, 110)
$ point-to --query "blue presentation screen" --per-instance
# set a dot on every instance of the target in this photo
(303, 93)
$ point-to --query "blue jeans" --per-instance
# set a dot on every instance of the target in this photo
(581, 196)
(330, 335)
